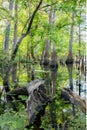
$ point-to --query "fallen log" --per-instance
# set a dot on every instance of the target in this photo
(18, 91)
(67, 94)
(36, 102)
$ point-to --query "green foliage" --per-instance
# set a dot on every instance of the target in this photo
(79, 122)
(46, 121)
(31, 49)
(11, 120)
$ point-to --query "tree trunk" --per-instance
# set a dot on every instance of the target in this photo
(79, 41)
(70, 68)
(6, 49)
(28, 66)
(45, 55)
(23, 35)
(7, 30)
(53, 104)
(70, 57)
(53, 67)
(14, 67)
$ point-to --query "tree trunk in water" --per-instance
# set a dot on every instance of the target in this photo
(79, 81)
(7, 31)
(79, 41)
(53, 62)
(14, 67)
(6, 49)
(28, 66)
(23, 35)
(70, 68)
(53, 67)
(69, 59)
(53, 104)
(45, 55)
(30, 51)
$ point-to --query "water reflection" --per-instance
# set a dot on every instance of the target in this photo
(78, 84)
(54, 80)
(76, 79)
(70, 69)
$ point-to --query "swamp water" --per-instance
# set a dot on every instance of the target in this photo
(66, 76)
(72, 77)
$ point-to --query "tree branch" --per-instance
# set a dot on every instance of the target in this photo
(33, 15)
(27, 32)
(48, 5)
(18, 91)
(74, 99)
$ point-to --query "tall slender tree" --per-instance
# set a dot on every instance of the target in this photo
(14, 67)
(13, 55)
(70, 56)
(53, 65)
(7, 30)
(6, 49)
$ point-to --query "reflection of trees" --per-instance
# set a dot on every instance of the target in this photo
(70, 68)
(78, 81)
(48, 81)
(53, 66)
(53, 104)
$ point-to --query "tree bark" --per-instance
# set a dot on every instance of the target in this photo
(6, 49)
(70, 68)
(71, 33)
(70, 57)
(7, 30)
(74, 99)
(66, 94)
(79, 41)
(8, 68)
(14, 67)
(24, 35)
(53, 67)
(45, 55)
